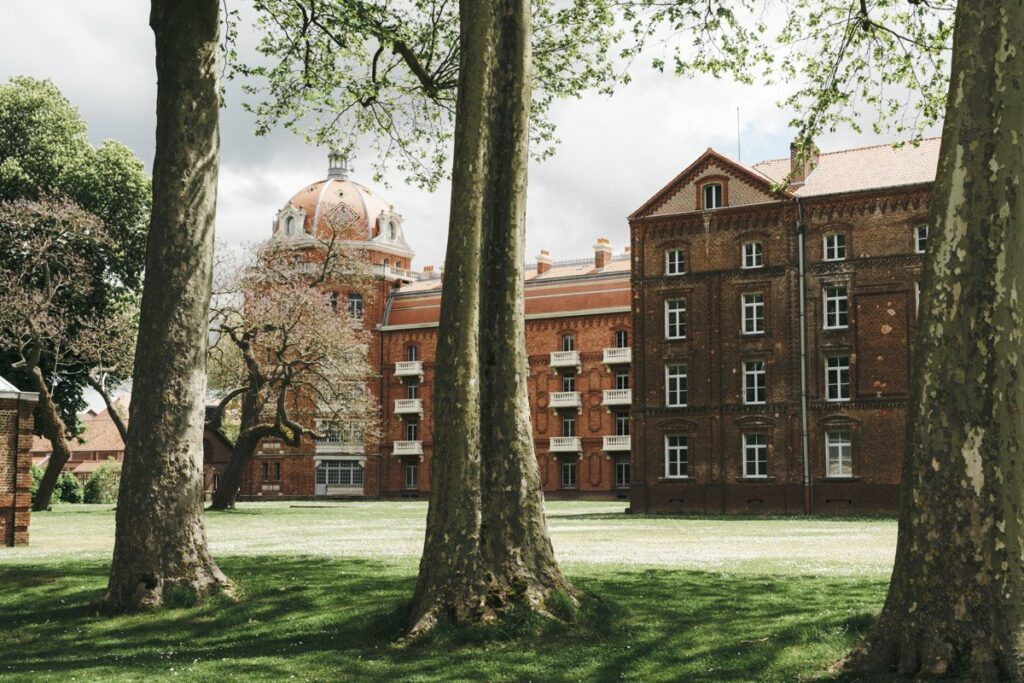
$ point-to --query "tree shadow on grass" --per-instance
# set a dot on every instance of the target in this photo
(319, 618)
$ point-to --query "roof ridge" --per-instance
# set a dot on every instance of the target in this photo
(853, 149)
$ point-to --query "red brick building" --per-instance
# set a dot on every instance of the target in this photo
(773, 331)
(16, 426)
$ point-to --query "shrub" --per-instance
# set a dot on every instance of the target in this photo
(102, 485)
(69, 489)
(37, 476)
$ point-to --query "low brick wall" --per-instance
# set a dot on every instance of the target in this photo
(16, 426)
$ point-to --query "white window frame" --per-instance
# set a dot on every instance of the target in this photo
(759, 451)
(675, 319)
(834, 246)
(840, 302)
(755, 379)
(680, 388)
(413, 468)
(836, 389)
(704, 196)
(752, 303)
(838, 452)
(619, 483)
(753, 255)
(355, 305)
(921, 238)
(675, 262)
(677, 455)
(569, 465)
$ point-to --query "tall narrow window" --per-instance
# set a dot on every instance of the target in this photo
(675, 386)
(675, 319)
(569, 382)
(835, 247)
(621, 339)
(412, 474)
(568, 425)
(676, 455)
(569, 473)
(412, 389)
(412, 430)
(622, 424)
(355, 305)
(839, 453)
(675, 262)
(837, 308)
(753, 255)
(755, 382)
(622, 379)
(277, 471)
(755, 455)
(334, 301)
(712, 196)
(266, 471)
(753, 313)
(568, 342)
(622, 473)
(837, 378)
(920, 238)
(411, 353)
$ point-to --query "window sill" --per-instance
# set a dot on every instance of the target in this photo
(756, 480)
(849, 479)
(753, 334)
(674, 339)
(836, 329)
(837, 400)
(680, 479)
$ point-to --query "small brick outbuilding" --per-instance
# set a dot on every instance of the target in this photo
(16, 427)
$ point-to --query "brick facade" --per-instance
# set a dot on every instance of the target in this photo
(16, 427)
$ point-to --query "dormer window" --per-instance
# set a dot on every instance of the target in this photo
(713, 196)
(289, 226)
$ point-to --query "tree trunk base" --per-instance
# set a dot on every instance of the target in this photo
(152, 592)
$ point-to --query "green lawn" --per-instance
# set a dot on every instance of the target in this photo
(323, 591)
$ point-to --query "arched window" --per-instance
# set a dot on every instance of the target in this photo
(411, 352)
(386, 263)
(392, 229)
(289, 226)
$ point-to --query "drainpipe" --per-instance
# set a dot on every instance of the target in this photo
(17, 452)
(801, 235)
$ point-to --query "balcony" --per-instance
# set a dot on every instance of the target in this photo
(618, 356)
(409, 406)
(336, 438)
(408, 448)
(617, 443)
(618, 397)
(565, 444)
(566, 399)
(565, 359)
(409, 368)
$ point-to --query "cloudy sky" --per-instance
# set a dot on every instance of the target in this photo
(615, 151)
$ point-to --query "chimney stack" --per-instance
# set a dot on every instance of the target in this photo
(428, 269)
(602, 253)
(798, 171)
(543, 262)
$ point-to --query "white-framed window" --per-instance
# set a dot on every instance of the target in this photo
(837, 308)
(622, 473)
(677, 448)
(713, 196)
(569, 473)
(340, 473)
(621, 339)
(755, 382)
(675, 386)
(412, 430)
(753, 312)
(920, 238)
(837, 378)
(622, 379)
(753, 255)
(622, 423)
(412, 352)
(835, 246)
(569, 424)
(412, 389)
(675, 262)
(568, 342)
(675, 319)
(355, 305)
(412, 474)
(755, 455)
(569, 381)
(839, 453)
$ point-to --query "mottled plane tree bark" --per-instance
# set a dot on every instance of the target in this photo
(160, 540)
(956, 598)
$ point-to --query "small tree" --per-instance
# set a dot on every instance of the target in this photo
(101, 486)
(37, 476)
(287, 349)
(69, 488)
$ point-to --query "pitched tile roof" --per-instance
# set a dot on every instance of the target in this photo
(99, 432)
(863, 168)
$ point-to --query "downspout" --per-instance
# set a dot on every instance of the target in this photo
(801, 235)
(17, 452)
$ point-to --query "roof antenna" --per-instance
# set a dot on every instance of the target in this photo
(739, 157)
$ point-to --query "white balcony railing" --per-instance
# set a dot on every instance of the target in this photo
(617, 443)
(618, 397)
(616, 356)
(565, 359)
(566, 399)
(409, 368)
(339, 438)
(409, 406)
(408, 448)
(565, 444)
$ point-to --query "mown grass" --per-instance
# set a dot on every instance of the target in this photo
(325, 616)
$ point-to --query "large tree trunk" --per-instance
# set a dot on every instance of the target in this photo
(52, 427)
(517, 551)
(450, 580)
(957, 592)
(161, 536)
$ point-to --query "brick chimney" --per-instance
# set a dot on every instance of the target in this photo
(602, 252)
(428, 269)
(801, 171)
(544, 262)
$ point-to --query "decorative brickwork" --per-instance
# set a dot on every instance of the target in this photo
(16, 426)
